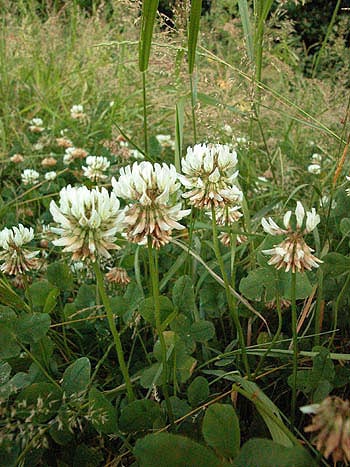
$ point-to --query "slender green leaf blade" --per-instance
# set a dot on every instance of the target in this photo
(149, 12)
(195, 14)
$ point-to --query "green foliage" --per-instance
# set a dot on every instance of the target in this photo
(76, 377)
(59, 275)
(265, 453)
(318, 381)
(104, 415)
(198, 391)
(221, 430)
(174, 450)
(140, 415)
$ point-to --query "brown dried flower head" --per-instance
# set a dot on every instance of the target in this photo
(17, 158)
(64, 143)
(48, 162)
(118, 276)
(331, 425)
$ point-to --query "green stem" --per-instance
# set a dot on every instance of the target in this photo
(318, 308)
(193, 105)
(232, 307)
(336, 307)
(114, 331)
(276, 336)
(145, 128)
(153, 269)
(295, 349)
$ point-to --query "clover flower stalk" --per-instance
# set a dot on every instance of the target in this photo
(209, 175)
(293, 254)
(89, 221)
(153, 212)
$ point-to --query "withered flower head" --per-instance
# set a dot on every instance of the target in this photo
(118, 276)
(331, 425)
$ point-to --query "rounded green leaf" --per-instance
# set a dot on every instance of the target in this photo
(60, 275)
(221, 429)
(167, 450)
(77, 376)
(202, 331)
(140, 415)
(266, 453)
(198, 391)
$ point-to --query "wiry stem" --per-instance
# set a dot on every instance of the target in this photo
(114, 331)
(153, 268)
(295, 349)
(232, 307)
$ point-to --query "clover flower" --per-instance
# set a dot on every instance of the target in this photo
(95, 168)
(89, 221)
(29, 176)
(64, 142)
(77, 111)
(153, 194)
(17, 158)
(314, 169)
(227, 216)
(73, 153)
(209, 175)
(48, 162)
(36, 125)
(49, 176)
(165, 141)
(293, 253)
(347, 191)
(14, 258)
(332, 422)
(118, 276)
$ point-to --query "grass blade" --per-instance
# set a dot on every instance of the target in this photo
(179, 125)
(195, 14)
(149, 13)
(247, 27)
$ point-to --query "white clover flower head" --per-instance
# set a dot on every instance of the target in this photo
(96, 166)
(316, 158)
(50, 176)
(154, 209)
(77, 111)
(89, 221)
(13, 257)
(314, 169)
(36, 125)
(293, 253)
(241, 140)
(347, 190)
(39, 146)
(29, 176)
(36, 122)
(227, 129)
(165, 141)
(209, 175)
(69, 155)
(136, 154)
